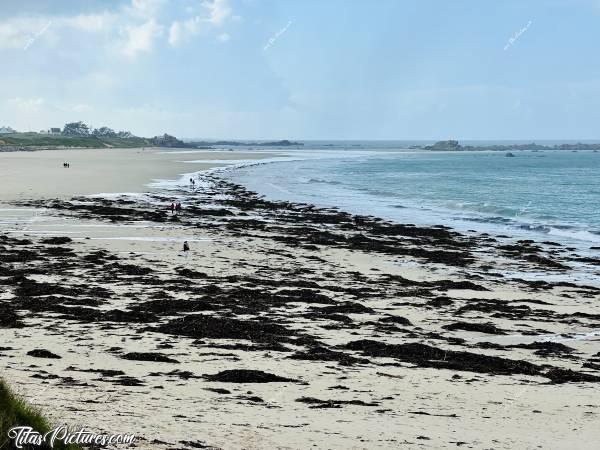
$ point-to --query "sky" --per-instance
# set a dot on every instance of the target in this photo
(304, 69)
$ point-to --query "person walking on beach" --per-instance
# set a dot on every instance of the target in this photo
(178, 208)
(172, 208)
(186, 248)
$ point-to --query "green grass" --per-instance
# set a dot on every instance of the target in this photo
(44, 140)
(14, 411)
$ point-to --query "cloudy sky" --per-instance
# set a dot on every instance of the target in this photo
(305, 69)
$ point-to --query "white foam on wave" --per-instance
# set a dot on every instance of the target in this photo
(181, 182)
(220, 161)
(580, 235)
(117, 195)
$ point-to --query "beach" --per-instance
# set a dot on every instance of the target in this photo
(41, 174)
(287, 325)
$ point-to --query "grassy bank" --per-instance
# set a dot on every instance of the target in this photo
(58, 140)
(14, 411)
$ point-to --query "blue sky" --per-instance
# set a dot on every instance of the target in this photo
(305, 69)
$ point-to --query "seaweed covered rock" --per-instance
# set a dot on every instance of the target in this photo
(247, 376)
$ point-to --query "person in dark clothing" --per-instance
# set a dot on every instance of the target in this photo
(186, 248)
(178, 208)
(172, 208)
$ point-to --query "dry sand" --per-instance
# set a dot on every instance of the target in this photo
(41, 174)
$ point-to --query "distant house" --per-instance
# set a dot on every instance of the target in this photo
(54, 131)
(6, 130)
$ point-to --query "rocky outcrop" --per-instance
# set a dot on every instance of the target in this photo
(166, 140)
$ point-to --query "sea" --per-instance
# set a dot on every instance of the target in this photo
(544, 195)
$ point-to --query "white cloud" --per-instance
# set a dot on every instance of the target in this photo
(21, 33)
(175, 33)
(88, 22)
(182, 31)
(140, 38)
(26, 105)
(11, 37)
(81, 107)
(18, 33)
(145, 8)
(137, 24)
(219, 11)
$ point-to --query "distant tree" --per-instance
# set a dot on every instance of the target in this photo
(104, 132)
(76, 129)
(124, 134)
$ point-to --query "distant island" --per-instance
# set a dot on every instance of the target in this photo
(80, 135)
(282, 143)
(454, 146)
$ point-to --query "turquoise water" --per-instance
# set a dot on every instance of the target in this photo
(536, 194)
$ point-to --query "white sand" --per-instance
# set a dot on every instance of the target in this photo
(41, 174)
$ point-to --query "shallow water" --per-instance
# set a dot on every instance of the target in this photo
(552, 195)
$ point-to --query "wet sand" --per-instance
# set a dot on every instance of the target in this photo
(290, 326)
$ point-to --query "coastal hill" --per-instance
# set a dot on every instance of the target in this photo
(35, 141)
(454, 146)
(80, 135)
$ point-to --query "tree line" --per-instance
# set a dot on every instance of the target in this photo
(82, 129)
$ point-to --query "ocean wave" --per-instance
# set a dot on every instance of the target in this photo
(319, 180)
(580, 235)
(577, 232)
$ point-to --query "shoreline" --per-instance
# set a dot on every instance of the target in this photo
(578, 246)
(342, 316)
